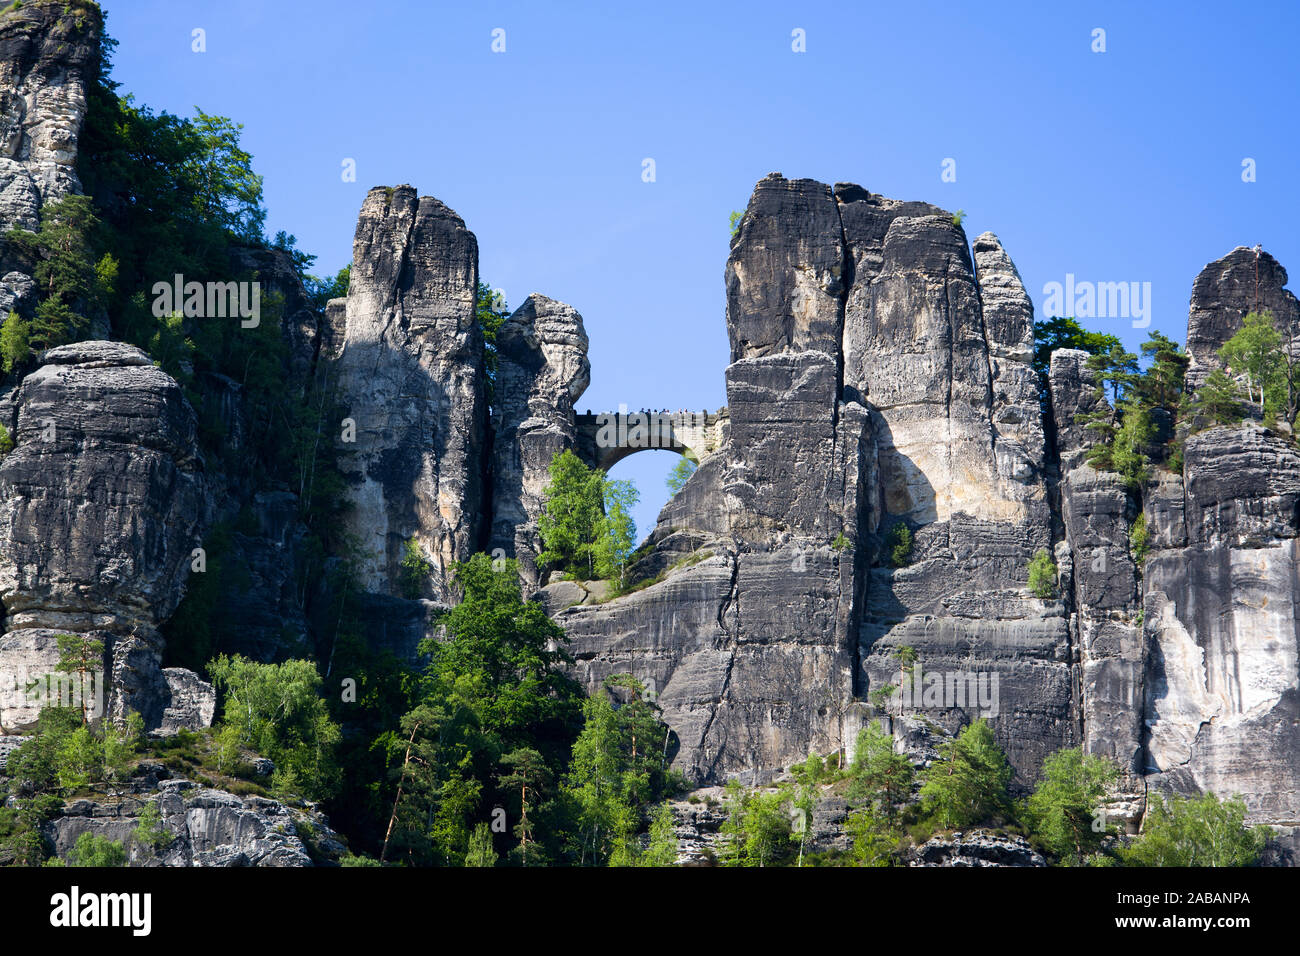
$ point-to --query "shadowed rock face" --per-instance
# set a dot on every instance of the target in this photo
(411, 374)
(101, 505)
(542, 370)
(1242, 281)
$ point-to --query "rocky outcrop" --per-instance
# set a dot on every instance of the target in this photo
(1245, 280)
(1222, 704)
(191, 702)
(976, 848)
(542, 370)
(860, 334)
(939, 344)
(411, 375)
(48, 50)
(1099, 575)
(101, 505)
(203, 827)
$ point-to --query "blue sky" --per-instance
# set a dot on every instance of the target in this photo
(1122, 166)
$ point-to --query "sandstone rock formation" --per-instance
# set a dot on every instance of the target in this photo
(410, 372)
(101, 505)
(1245, 280)
(205, 826)
(870, 385)
(542, 370)
(47, 48)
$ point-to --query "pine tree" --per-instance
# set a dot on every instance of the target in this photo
(968, 784)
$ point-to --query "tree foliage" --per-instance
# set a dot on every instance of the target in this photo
(967, 785)
(1196, 831)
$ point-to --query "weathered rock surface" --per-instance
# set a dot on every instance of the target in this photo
(542, 370)
(191, 701)
(859, 334)
(976, 848)
(101, 504)
(411, 373)
(207, 827)
(1223, 696)
(47, 52)
(1245, 280)
(47, 48)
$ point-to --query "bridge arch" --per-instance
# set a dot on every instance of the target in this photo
(606, 438)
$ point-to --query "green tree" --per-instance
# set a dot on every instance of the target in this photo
(1196, 831)
(898, 539)
(874, 842)
(415, 570)
(1139, 540)
(529, 776)
(967, 785)
(1255, 353)
(616, 531)
(494, 684)
(1042, 575)
(1218, 400)
(572, 515)
(1161, 385)
(280, 714)
(1065, 802)
(1062, 333)
(150, 830)
(619, 767)
(83, 657)
(481, 852)
(93, 850)
(757, 829)
(1115, 367)
(228, 192)
(72, 281)
(679, 474)
(882, 779)
(491, 312)
(15, 342)
(662, 849)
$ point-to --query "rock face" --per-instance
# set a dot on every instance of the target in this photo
(859, 335)
(1222, 703)
(101, 505)
(205, 827)
(411, 373)
(1101, 577)
(1245, 280)
(47, 49)
(542, 370)
(978, 848)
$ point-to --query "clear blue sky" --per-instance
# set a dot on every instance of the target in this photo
(1115, 166)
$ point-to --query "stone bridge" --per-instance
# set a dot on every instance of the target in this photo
(606, 438)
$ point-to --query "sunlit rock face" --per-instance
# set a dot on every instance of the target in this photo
(410, 374)
(869, 385)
